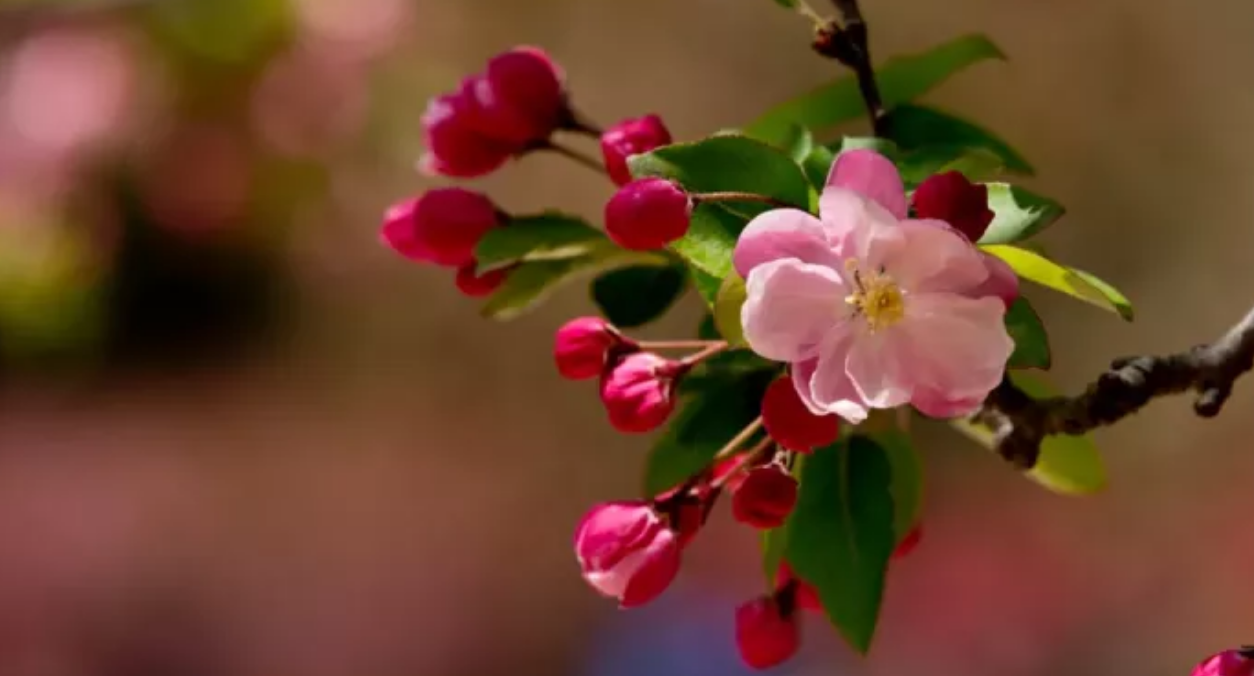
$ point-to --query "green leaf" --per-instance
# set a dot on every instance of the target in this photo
(797, 143)
(787, 4)
(883, 146)
(841, 533)
(907, 484)
(727, 306)
(818, 165)
(901, 79)
(1067, 464)
(977, 165)
(775, 540)
(1077, 283)
(728, 163)
(710, 240)
(706, 330)
(531, 282)
(548, 236)
(707, 285)
(715, 407)
(1019, 214)
(634, 296)
(915, 126)
(1031, 341)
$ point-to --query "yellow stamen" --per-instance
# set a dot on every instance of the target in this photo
(876, 297)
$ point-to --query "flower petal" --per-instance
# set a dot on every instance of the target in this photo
(1001, 283)
(782, 233)
(824, 385)
(932, 257)
(856, 226)
(879, 365)
(789, 307)
(871, 175)
(651, 570)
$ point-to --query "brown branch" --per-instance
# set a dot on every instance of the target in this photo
(848, 43)
(1020, 423)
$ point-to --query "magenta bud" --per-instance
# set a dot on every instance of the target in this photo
(631, 137)
(442, 226)
(1235, 662)
(476, 285)
(791, 423)
(454, 146)
(582, 346)
(520, 97)
(765, 498)
(648, 214)
(639, 391)
(627, 552)
(951, 198)
(765, 635)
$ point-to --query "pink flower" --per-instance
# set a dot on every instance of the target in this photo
(950, 197)
(639, 391)
(765, 497)
(648, 214)
(871, 308)
(1238, 662)
(790, 422)
(443, 226)
(627, 552)
(582, 346)
(631, 137)
(765, 635)
(476, 285)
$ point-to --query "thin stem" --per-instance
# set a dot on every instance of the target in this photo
(678, 344)
(577, 123)
(711, 350)
(750, 456)
(741, 197)
(848, 43)
(575, 155)
(804, 9)
(739, 440)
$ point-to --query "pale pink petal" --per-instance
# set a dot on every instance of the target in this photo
(790, 307)
(871, 175)
(932, 257)
(880, 366)
(934, 404)
(1001, 282)
(823, 384)
(953, 349)
(782, 233)
(856, 226)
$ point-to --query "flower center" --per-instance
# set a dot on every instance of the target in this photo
(876, 297)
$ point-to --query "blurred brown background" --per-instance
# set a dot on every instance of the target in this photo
(238, 437)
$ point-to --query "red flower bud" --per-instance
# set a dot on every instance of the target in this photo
(477, 286)
(1238, 662)
(639, 391)
(454, 145)
(791, 423)
(950, 197)
(804, 594)
(582, 346)
(442, 226)
(765, 636)
(765, 498)
(627, 552)
(908, 543)
(648, 214)
(631, 137)
(520, 97)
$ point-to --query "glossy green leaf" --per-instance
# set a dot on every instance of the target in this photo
(977, 165)
(901, 79)
(711, 240)
(797, 143)
(1035, 267)
(531, 282)
(883, 146)
(727, 306)
(841, 533)
(786, 4)
(707, 285)
(1018, 214)
(728, 163)
(915, 126)
(715, 406)
(634, 296)
(706, 330)
(775, 540)
(818, 165)
(548, 236)
(1067, 464)
(1028, 332)
(907, 483)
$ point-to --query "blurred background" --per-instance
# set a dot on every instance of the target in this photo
(238, 437)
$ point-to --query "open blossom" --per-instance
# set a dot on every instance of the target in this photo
(627, 551)
(1237, 662)
(871, 308)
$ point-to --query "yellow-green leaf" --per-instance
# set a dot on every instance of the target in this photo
(1083, 285)
(731, 296)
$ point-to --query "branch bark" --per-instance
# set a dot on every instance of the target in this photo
(1020, 423)
(848, 43)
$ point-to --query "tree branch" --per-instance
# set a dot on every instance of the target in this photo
(849, 44)
(1020, 423)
